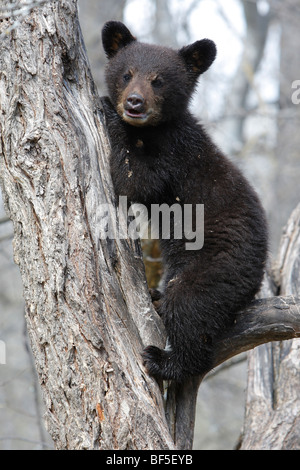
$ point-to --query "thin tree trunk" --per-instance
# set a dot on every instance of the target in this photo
(286, 183)
(92, 15)
(254, 44)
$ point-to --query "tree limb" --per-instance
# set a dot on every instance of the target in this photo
(265, 320)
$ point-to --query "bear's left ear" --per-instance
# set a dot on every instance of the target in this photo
(199, 56)
(115, 35)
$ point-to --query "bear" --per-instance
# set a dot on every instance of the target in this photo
(161, 154)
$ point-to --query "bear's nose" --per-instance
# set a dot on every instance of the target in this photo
(135, 102)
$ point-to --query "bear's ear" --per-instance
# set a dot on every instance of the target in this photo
(199, 56)
(115, 35)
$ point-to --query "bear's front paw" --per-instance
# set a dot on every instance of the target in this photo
(153, 359)
(155, 294)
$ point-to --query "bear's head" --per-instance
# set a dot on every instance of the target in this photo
(151, 84)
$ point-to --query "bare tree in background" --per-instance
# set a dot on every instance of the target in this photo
(254, 45)
(286, 184)
(87, 307)
(90, 12)
(272, 418)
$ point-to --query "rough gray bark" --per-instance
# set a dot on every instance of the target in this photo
(85, 337)
(272, 418)
(87, 305)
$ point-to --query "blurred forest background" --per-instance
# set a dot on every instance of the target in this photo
(249, 102)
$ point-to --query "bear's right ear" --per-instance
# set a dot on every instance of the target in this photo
(115, 35)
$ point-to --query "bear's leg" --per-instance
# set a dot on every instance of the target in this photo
(175, 364)
(195, 310)
(189, 352)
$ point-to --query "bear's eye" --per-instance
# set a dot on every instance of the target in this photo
(126, 77)
(157, 82)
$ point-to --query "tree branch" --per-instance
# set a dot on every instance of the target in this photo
(265, 320)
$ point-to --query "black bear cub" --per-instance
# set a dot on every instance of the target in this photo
(161, 155)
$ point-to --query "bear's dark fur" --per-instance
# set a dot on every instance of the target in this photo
(160, 154)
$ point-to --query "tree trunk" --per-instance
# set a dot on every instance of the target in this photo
(87, 306)
(88, 310)
(272, 418)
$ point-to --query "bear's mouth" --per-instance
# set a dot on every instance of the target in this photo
(137, 118)
(131, 113)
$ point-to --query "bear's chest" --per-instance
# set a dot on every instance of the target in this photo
(145, 173)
